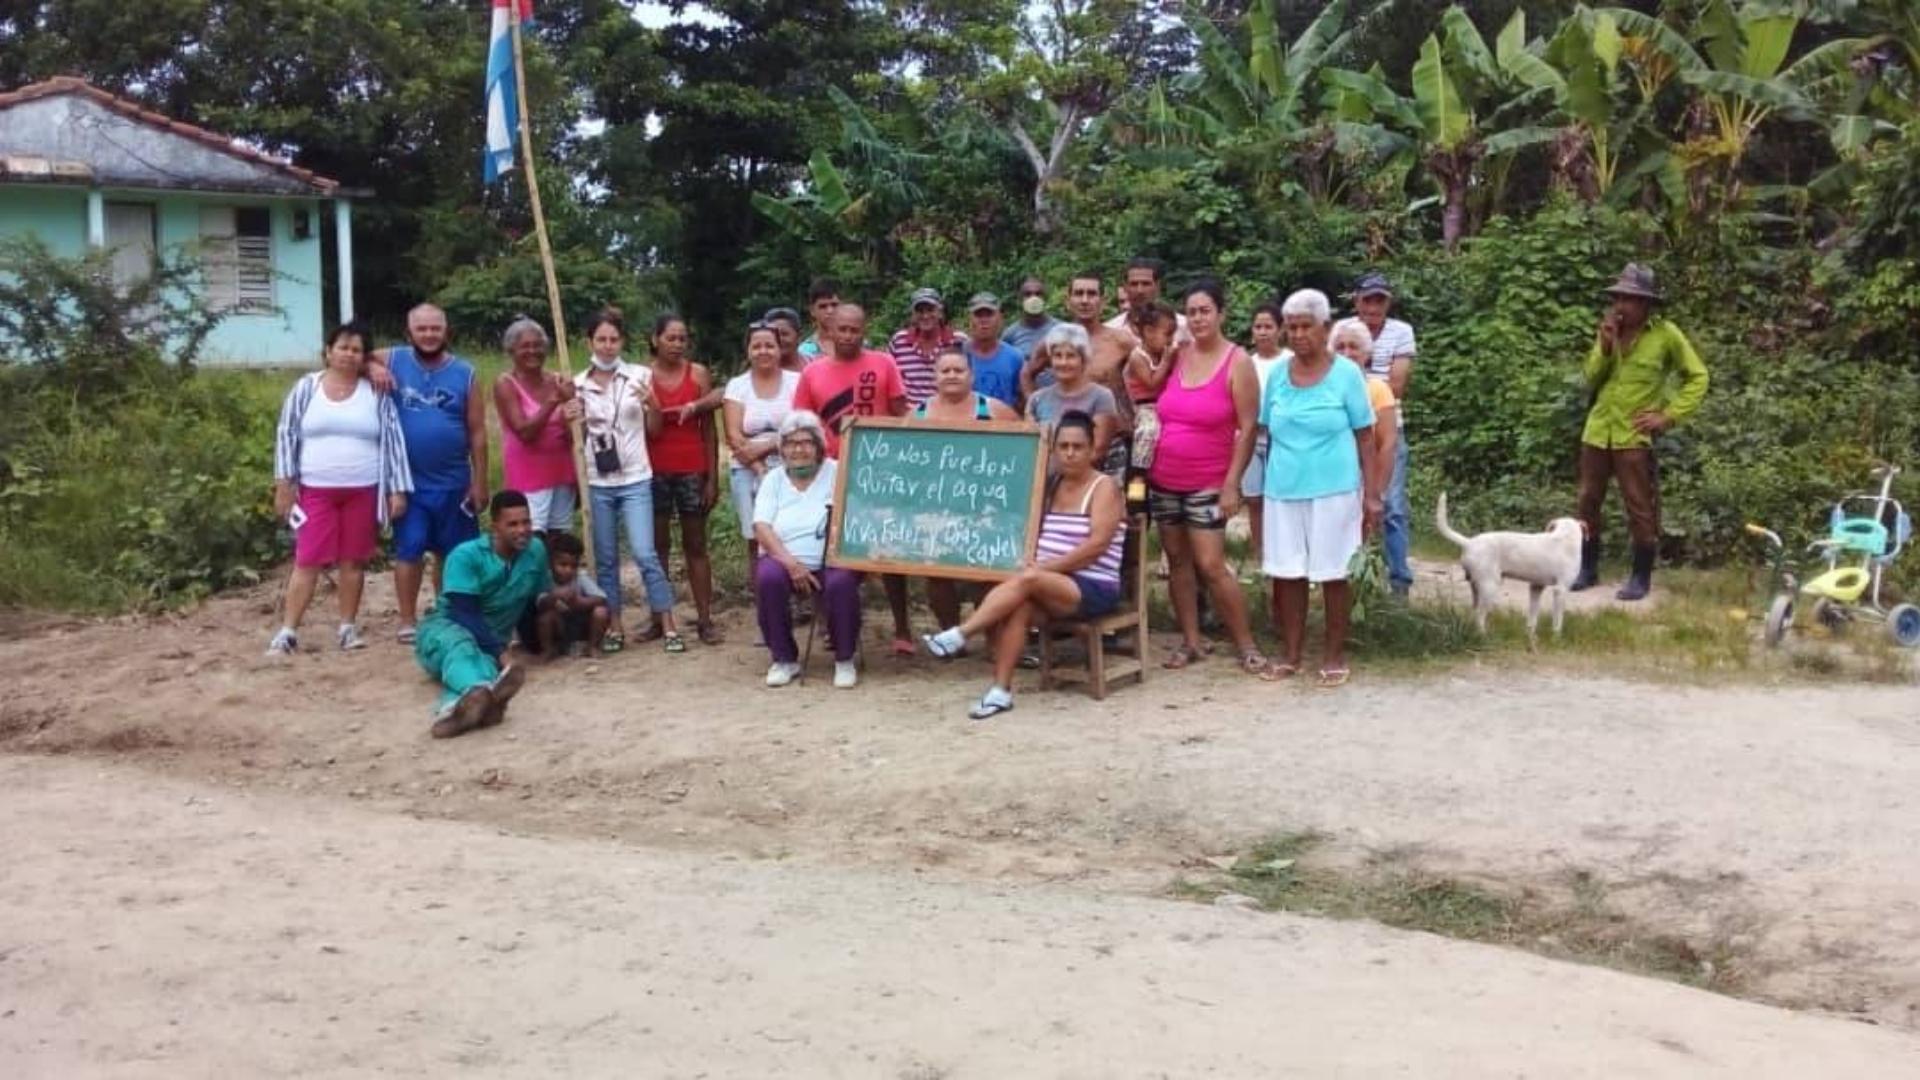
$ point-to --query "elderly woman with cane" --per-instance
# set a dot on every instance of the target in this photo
(791, 516)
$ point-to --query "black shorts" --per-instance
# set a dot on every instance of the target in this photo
(679, 494)
(574, 627)
(1186, 509)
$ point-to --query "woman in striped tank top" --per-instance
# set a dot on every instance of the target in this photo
(1075, 569)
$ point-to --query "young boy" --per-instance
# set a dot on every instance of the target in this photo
(574, 614)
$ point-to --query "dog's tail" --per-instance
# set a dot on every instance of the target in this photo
(1440, 522)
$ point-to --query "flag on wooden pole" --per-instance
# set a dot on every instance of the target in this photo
(503, 111)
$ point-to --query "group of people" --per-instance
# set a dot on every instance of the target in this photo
(1154, 407)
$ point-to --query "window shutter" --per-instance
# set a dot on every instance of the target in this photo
(253, 229)
(236, 254)
(219, 257)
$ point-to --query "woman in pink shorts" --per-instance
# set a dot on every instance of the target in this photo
(340, 471)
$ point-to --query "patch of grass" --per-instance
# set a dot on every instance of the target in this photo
(1577, 923)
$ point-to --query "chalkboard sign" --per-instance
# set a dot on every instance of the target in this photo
(938, 500)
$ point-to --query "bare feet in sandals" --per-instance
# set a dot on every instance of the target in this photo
(1279, 670)
(1333, 678)
(1180, 656)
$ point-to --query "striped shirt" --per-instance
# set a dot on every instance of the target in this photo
(1061, 531)
(395, 476)
(916, 366)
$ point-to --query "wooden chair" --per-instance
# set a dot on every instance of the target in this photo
(1128, 622)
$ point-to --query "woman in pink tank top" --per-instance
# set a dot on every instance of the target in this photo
(1208, 406)
(535, 407)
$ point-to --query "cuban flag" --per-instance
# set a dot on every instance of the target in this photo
(503, 110)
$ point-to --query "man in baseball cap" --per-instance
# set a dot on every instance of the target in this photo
(996, 364)
(1391, 363)
(1644, 377)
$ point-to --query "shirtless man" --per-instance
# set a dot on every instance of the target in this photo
(1110, 347)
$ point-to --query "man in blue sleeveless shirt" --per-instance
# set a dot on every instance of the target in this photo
(445, 424)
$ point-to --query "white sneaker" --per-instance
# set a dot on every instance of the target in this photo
(350, 638)
(846, 674)
(283, 643)
(782, 674)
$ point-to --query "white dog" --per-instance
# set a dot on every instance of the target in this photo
(1544, 560)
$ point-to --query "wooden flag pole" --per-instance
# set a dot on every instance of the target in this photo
(578, 427)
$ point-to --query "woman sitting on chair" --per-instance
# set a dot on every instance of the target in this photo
(791, 515)
(1075, 570)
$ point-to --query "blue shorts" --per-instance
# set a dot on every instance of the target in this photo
(434, 522)
(1098, 596)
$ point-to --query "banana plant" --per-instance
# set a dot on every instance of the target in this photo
(823, 214)
(1463, 114)
(1252, 108)
(1738, 75)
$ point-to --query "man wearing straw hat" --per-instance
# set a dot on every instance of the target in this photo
(1643, 377)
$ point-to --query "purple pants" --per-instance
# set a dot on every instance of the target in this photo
(840, 595)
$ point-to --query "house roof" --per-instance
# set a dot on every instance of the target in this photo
(69, 144)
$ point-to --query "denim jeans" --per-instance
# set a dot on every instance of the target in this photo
(1398, 524)
(628, 507)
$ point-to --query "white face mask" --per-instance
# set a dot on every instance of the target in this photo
(605, 365)
(1034, 305)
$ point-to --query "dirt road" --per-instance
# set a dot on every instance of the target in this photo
(166, 928)
(1775, 819)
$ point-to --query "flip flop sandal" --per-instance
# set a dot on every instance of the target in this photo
(1252, 662)
(1279, 670)
(987, 710)
(613, 642)
(674, 642)
(903, 648)
(407, 634)
(1181, 656)
(1333, 678)
(708, 633)
(931, 642)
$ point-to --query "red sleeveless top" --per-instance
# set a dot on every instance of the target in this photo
(680, 446)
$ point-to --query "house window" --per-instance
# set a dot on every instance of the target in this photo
(236, 250)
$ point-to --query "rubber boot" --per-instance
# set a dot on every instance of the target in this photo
(1641, 582)
(1589, 575)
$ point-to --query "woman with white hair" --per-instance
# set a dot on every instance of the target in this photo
(792, 514)
(536, 407)
(1353, 340)
(1323, 487)
(1069, 354)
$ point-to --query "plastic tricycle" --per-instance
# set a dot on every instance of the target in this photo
(1866, 532)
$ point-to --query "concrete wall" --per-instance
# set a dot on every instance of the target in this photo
(290, 335)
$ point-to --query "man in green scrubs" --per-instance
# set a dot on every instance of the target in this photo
(1644, 377)
(492, 582)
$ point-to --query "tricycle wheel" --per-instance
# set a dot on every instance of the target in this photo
(1903, 624)
(1779, 618)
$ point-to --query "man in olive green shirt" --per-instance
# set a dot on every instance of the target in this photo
(1644, 377)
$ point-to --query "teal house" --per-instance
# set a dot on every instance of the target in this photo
(84, 169)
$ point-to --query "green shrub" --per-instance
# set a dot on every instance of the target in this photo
(159, 497)
(125, 479)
